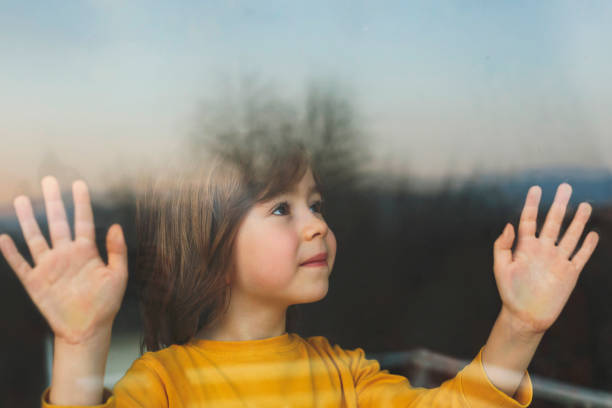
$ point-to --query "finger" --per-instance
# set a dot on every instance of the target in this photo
(37, 244)
(56, 214)
(554, 218)
(116, 249)
(13, 257)
(529, 216)
(83, 215)
(502, 248)
(574, 231)
(585, 252)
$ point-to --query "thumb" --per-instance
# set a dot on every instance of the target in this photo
(502, 249)
(116, 248)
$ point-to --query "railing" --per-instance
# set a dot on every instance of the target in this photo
(426, 368)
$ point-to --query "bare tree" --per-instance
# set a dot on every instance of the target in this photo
(252, 114)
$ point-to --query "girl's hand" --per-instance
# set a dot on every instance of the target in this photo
(536, 280)
(70, 284)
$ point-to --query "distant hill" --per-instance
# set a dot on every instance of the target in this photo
(591, 185)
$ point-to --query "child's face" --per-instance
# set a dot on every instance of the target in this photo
(274, 240)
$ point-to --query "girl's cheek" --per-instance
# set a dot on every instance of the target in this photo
(278, 260)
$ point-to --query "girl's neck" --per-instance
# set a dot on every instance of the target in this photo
(246, 323)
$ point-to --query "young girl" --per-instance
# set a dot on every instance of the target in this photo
(225, 254)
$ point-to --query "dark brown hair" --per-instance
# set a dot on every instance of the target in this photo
(187, 226)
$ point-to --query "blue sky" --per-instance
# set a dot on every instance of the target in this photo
(102, 87)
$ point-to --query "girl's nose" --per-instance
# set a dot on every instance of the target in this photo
(314, 226)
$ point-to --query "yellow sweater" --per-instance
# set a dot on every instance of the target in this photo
(289, 371)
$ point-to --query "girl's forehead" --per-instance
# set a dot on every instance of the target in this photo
(308, 189)
(307, 185)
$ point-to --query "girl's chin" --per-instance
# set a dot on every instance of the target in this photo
(313, 296)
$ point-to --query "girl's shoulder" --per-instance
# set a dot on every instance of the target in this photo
(320, 342)
(159, 359)
(323, 344)
(165, 365)
(351, 360)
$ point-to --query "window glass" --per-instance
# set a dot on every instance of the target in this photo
(427, 123)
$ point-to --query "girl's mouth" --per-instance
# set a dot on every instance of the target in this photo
(319, 259)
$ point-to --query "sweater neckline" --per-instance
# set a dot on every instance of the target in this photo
(285, 341)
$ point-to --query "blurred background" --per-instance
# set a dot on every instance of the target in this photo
(429, 120)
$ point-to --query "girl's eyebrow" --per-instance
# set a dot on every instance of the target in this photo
(313, 189)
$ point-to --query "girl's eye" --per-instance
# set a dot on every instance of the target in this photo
(317, 206)
(284, 209)
(281, 209)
